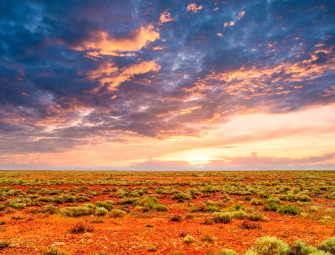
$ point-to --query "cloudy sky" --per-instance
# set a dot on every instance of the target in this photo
(167, 85)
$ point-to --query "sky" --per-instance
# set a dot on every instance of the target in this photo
(167, 85)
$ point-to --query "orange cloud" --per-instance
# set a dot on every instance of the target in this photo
(165, 17)
(110, 75)
(101, 41)
(254, 81)
(190, 109)
(192, 7)
(240, 15)
(159, 48)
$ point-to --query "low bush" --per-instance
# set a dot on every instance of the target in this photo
(54, 251)
(222, 217)
(160, 208)
(108, 205)
(257, 216)
(180, 196)
(212, 209)
(247, 198)
(270, 246)
(81, 227)
(288, 209)
(152, 248)
(272, 206)
(97, 221)
(116, 213)
(328, 245)
(189, 239)
(18, 203)
(77, 211)
(257, 202)
(301, 248)
(100, 211)
(50, 209)
(226, 252)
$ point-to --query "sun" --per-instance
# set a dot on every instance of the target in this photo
(199, 160)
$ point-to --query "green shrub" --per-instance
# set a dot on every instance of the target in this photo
(257, 202)
(134, 194)
(301, 248)
(50, 209)
(212, 209)
(19, 203)
(152, 248)
(270, 246)
(148, 202)
(105, 204)
(116, 213)
(53, 251)
(160, 208)
(77, 211)
(58, 200)
(250, 252)
(328, 245)
(295, 197)
(100, 211)
(320, 253)
(45, 199)
(97, 221)
(181, 196)
(222, 217)
(128, 201)
(272, 206)
(288, 209)
(122, 192)
(189, 239)
(257, 216)
(226, 252)
(69, 199)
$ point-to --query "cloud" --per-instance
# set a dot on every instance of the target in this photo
(165, 17)
(77, 74)
(101, 41)
(193, 7)
(109, 75)
(240, 15)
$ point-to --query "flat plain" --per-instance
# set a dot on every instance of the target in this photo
(91, 212)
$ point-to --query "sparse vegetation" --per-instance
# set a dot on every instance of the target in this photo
(250, 204)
